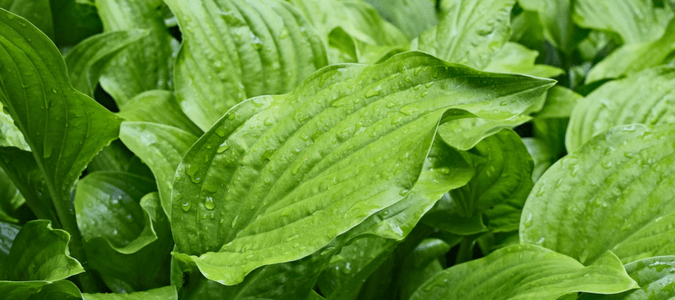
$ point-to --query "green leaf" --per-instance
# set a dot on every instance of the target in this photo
(527, 30)
(526, 272)
(127, 235)
(38, 12)
(141, 66)
(635, 21)
(60, 290)
(10, 136)
(164, 293)
(556, 17)
(75, 22)
(236, 49)
(470, 32)
(516, 58)
(420, 265)
(10, 198)
(542, 155)
(349, 269)
(494, 197)
(412, 17)
(89, 58)
(38, 257)
(269, 168)
(644, 98)
(655, 275)
(64, 128)
(114, 157)
(145, 108)
(8, 233)
(633, 58)
(614, 193)
(466, 133)
(161, 147)
(560, 102)
(345, 48)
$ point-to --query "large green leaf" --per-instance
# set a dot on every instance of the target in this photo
(613, 193)
(655, 275)
(470, 32)
(495, 195)
(38, 257)
(60, 290)
(38, 12)
(635, 21)
(349, 269)
(635, 57)
(411, 16)
(644, 98)
(89, 58)
(164, 293)
(556, 17)
(516, 58)
(522, 272)
(8, 233)
(161, 147)
(236, 49)
(145, 108)
(64, 128)
(144, 65)
(127, 235)
(349, 142)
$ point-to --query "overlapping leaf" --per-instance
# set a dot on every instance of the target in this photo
(38, 12)
(644, 98)
(655, 275)
(556, 18)
(526, 272)
(614, 193)
(164, 293)
(252, 185)
(235, 49)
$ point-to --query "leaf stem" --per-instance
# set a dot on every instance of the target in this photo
(465, 249)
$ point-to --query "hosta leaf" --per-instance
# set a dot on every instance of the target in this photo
(655, 275)
(127, 234)
(542, 155)
(64, 128)
(10, 198)
(144, 108)
(422, 264)
(465, 134)
(556, 17)
(87, 61)
(9, 134)
(349, 269)
(114, 157)
(252, 185)
(8, 233)
(75, 21)
(39, 256)
(144, 65)
(61, 290)
(516, 58)
(164, 293)
(38, 12)
(634, 57)
(644, 98)
(412, 17)
(469, 32)
(497, 191)
(345, 48)
(236, 49)
(559, 103)
(522, 272)
(613, 193)
(635, 21)
(161, 147)
(527, 30)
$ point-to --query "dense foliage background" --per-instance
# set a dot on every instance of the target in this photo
(311, 149)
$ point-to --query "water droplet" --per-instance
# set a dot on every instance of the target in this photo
(223, 147)
(503, 103)
(209, 204)
(186, 206)
(221, 132)
(234, 221)
(403, 192)
(374, 92)
(54, 91)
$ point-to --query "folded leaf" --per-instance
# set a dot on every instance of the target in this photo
(655, 275)
(542, 155)
(61, 290)
(38, 257)
(7, 235)
(145, 65)
(144, 108)
(89, 58)
(161, 147)
(164, 293)
(349, 142)
(10, 136)
(421, 265)
(236, 49)
(526, 272)
(470, 32)
(614, 193)
(635, 21)
(466, 133)
(634, 57)
(644, 98)
(516, 58)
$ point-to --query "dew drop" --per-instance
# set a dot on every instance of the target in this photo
(185, 206)
(209, 204)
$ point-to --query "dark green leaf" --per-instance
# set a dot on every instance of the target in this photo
(38, 12)
(10, 198)
(7, 235)
(420, 265)
(75, 22)
(556, 17)
(164, 293)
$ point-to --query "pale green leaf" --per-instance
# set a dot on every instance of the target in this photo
(470, 32)
(560, 102)
(7, 235)
(643, 98)
(146, 107)
(523, 272)
(352, 140)
(635, 21)
(89, 58)
(235, 49)
(411, 16)
(164, 293)
(10, 136)
(516, 58)
(466, 133)
(614, 193)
